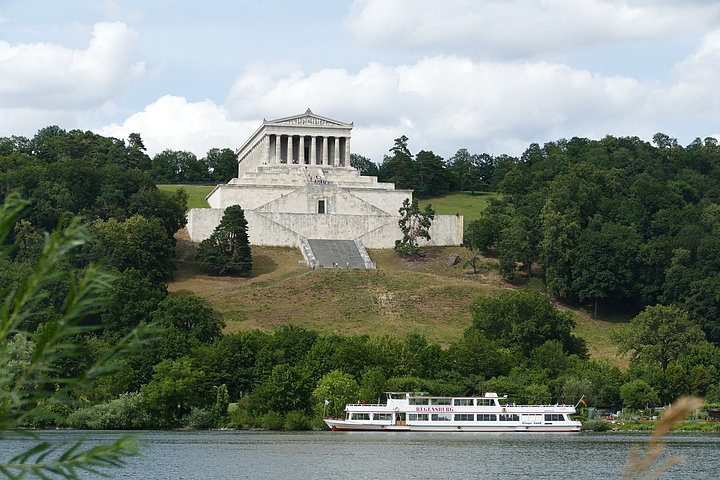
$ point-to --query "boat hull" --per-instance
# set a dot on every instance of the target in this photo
(344, 425)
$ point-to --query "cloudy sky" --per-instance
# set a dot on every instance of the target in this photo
(489, 76)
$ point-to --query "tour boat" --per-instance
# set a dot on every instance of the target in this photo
(405, 411)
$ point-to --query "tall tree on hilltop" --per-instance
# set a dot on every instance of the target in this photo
(227, 250)
(399, 167)
(223, 163)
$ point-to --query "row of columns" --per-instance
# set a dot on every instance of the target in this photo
(273, 150)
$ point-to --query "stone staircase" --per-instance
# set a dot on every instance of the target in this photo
(321, 253)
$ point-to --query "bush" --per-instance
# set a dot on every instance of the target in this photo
(296, 420)
(200, 419)
(596, 426)
(127, 412)
(272, 421)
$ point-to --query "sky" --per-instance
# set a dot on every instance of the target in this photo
(488, 76)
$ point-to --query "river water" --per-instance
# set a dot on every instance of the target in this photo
(387, 456)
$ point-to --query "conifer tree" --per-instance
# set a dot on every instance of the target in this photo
(227, 250)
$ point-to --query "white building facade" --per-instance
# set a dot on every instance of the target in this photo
(295, 183)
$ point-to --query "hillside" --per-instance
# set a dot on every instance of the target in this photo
(400, 297)
(423, 296)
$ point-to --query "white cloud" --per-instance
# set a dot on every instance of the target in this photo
(522, 28)
(174, 123)
(51, 77)
(695, 81)
(445, 103)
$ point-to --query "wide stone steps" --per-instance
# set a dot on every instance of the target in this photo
(338, 254)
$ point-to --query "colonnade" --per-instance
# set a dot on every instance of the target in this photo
(307, 150)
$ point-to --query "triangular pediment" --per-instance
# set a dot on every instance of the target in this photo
(308, 119)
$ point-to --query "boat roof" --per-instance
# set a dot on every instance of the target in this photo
(425, 394)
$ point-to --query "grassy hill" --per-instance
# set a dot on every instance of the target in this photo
(196, 193)
(424, 296)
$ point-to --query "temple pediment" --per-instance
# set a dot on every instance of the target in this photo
(308, 119)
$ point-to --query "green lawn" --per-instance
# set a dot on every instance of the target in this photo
(464, 203)
(196, 193)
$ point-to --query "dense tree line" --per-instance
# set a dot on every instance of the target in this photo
(616, 220)
(428, 174)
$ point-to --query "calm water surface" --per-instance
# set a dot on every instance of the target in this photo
(389, 456)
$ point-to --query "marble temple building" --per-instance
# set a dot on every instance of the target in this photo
(295, 184)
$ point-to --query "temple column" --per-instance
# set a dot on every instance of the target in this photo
(290, 149)
(266, 149)
(313, 150)
(301, 150)
(336, 152)
(325, 151)
(347, 152)
(278, 143)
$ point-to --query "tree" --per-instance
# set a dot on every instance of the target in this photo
(398, 168)
(414, 225)
(525, 320)
(24, 388)
(481, 234)
(658, 335)
(175, 389)
(338, 388)
(364, 165)
(223, 164)
(137, 242)
(638, 394)
(227, 250)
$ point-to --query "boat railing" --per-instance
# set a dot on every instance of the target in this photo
(366, 405)
(557, 405)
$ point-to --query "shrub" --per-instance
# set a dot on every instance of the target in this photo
(296, 420)
(272, 421)
(596, 425)
(127, 412)
(200, 419)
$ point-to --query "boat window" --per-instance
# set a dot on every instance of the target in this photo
(509, 417)
(464, 417)
(418, 417)
(396, 396)
(441, 417)
(440, 401)
(382, 416)
(462, 402)
(485, 402)
(486, 417)
(419, 401)
(361, 416)
(554, 417)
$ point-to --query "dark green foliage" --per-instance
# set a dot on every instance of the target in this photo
(223, 164)
(227, 250)
(525, 319)
(659, 335)
(364, 165)
(616, 221)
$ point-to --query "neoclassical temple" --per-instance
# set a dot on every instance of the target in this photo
(297, 188)
(306, 139)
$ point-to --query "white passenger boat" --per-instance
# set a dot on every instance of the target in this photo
(420, 413)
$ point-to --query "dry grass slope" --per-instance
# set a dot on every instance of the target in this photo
(423, 296)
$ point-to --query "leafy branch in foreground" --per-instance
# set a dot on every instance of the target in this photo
(34, 380)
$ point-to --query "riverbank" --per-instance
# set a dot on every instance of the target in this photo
(688, 426)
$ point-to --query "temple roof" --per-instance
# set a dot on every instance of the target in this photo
(308, 119)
